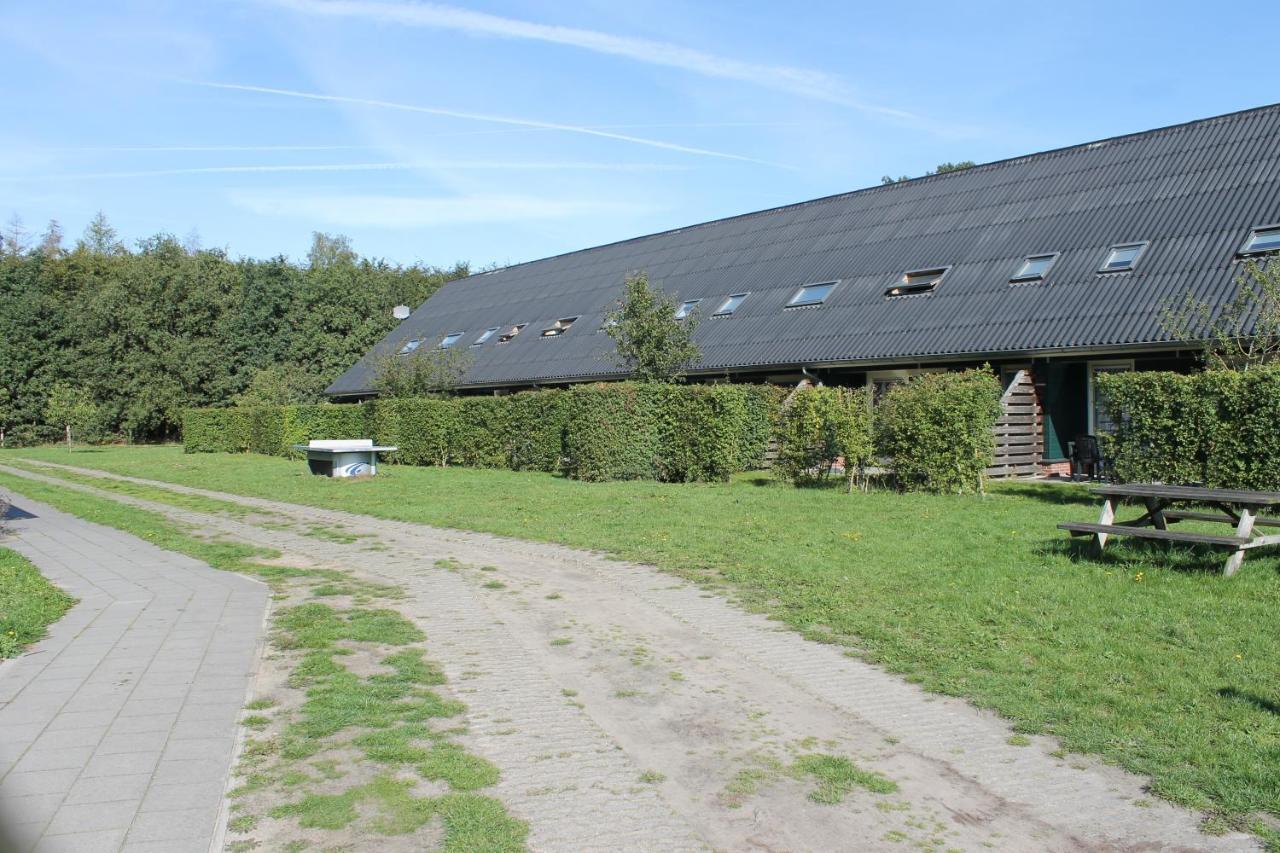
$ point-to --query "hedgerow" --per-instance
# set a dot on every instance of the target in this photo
(618, 431)
(1217, 427)
(821, 427)
(937, 430)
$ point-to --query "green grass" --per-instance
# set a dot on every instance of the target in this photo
(837, 776)
(1147, 657)
(28, 603)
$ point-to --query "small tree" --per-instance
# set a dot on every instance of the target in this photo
(819, 427)
(1245, 333)
(420, 373)
(72, 409)
(280, 385)
(650, 342)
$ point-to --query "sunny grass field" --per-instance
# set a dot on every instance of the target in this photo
(1148, 657)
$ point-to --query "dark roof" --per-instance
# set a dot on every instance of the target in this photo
(1193, 190)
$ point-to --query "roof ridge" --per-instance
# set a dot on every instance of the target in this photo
(990, 166)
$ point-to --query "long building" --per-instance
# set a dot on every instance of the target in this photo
(1050, 267)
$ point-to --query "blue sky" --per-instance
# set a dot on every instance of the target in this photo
(497, 132)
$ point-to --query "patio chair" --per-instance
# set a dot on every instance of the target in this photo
(1087, 462)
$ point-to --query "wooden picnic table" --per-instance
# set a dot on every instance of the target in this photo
(1240, 507)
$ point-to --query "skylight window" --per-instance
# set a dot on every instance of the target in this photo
(1034, 267)
(484, 336)
(410, 346)
(812, 294)
(451, 339)
(917, 282)
(511, 333)
(1262, 240)
(686, 308)
(1123, 257)
(561, 326)
(730, 305)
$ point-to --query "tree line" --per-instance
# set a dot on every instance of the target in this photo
(120, 340)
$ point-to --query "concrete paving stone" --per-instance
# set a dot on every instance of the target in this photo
(58, 738)
(116, 743)
(54, 759)
(21, 836)
(108, 789)
(192, 795)
(175, 825)
(197, 729)
(172, 845)
(151, 706)
(38, 782)
(216, 748)
(183, 771)
(83, 842)
(143, 693)
(124, 763)
(143, 723)
(82, 719)
(32, 808)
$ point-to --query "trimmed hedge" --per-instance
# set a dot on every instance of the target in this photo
(821, 427)
(619, 431)
(938, 430)
(1218, 427)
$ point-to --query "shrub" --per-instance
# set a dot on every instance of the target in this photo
(819, 428)
(422, 428)
(610, 432)
(537, 419)
(938, 430)
(300, 424)
(1217, 427)
(764, 416)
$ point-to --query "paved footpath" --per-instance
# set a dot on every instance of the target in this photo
(117, 730)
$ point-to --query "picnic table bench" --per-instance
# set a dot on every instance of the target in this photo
(1240, 507)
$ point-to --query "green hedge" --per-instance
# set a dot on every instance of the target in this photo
(938, 430)
(1217, 427)
(619, 431)
(821, 427)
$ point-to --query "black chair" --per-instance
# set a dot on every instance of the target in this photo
(1087, 462)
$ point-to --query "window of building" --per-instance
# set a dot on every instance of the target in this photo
(511, 333)
(1123, 257)
(1262, 240)
(559, 328)
(812, 294)
(1034, 267)
(730, 305)
(410, 346)
(484, 336)
(686, 308)
(451, 339)
(917, 282)
(1099, 421)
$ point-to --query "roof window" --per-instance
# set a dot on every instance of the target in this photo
(484, 336)
(730, 305)
(812, 294)
(511, 333)
(559, 328)
(1034, 267)
(451, 339)
(1123, 257)
(410, 346)
(1262, 240)
(686, 308)
(918, 282)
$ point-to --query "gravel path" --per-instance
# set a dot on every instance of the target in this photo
(631, 710)
(117, 729)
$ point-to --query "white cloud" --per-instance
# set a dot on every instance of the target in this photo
(807, 82)
(388, 211)
(485, 117)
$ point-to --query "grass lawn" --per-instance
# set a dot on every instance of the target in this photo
(1148, 657)
(28, 603)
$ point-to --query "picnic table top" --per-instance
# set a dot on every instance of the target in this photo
(1190, 493)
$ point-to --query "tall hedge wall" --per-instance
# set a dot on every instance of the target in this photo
(1217, 427)
(617, 431)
